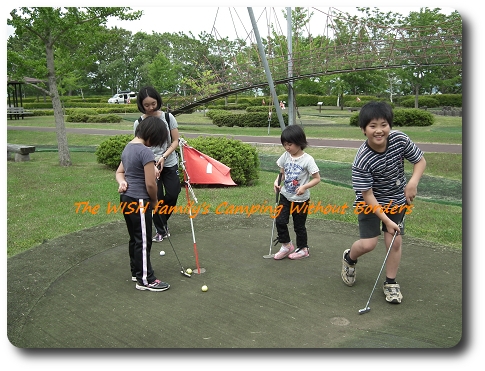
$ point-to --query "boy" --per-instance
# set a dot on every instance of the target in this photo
(378, 179)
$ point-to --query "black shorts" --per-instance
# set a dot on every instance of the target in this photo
(369, 224)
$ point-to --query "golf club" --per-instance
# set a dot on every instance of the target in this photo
(270, 255)
(367, 308)
(183, 270)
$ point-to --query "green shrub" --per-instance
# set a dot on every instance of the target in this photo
(241, 157)
(83, 117)
(251, 119)
(423, 101)
(109, 151)
(412, 117)
(404, 117)
(215, 112)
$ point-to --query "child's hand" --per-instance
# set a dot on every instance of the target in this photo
(410, 192)
(392, 227)
(122, 187)
(277, 188)
(300, 190)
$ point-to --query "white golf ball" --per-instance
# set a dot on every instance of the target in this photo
(162, 253)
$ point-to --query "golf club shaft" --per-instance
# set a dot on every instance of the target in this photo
(181, 266)
(276, 205)
(400, 225)
(380, 272)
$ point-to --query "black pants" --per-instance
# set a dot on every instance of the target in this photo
(299, 215)
(139, 225)
(168, 192)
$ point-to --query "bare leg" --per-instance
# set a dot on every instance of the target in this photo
(362, 246)
(394, 258)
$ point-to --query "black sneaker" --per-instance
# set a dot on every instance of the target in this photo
(156, 285)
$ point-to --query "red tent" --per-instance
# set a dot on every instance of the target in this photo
(203, 169)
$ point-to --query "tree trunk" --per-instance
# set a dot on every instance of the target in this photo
(62, 146)
(416, 96)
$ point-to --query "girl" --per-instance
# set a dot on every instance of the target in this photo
(149, 103)
(136, 177)
(299, 173)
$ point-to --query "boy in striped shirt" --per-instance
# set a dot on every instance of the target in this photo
(380, 184)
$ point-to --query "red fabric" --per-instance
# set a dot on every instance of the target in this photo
(203, 169)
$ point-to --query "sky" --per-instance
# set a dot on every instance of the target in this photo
(186, 17)
(224, 20)
(227, 21)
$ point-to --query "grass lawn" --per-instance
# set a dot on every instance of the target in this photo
(45, 201)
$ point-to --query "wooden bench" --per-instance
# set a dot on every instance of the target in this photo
(22, 152)
(16, 112)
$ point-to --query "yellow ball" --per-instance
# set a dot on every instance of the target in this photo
(205, 288)
(189, 271)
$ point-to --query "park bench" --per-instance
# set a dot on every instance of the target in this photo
(16, 112)
(21, 152)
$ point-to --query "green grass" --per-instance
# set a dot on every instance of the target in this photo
(42, 196)
(446, 129)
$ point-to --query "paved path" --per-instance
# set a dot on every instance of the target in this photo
(336, 143)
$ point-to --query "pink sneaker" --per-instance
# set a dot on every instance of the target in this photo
(284, 251)
(300, 254)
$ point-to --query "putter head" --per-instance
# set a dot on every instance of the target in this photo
(270, 256)
(365, 310)
(184, 273)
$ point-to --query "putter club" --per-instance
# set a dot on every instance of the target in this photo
(367, 308)
(184, 273)
(270, 255)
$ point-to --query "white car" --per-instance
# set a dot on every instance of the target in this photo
(122, 97)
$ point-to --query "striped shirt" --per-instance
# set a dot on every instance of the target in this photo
(384, 172)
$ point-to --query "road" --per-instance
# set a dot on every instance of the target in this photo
(335, 143)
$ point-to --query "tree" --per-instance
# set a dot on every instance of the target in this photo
(425, 29)
(55, 28)
(163, 74)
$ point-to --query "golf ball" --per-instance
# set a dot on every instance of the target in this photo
(162, 253)
(205, 288)
(189, 271)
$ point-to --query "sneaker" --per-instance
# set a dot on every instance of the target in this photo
(348, 270)
(300, 254)
(392, 292)
(133, 278)
(166, 233)
(156, 285)
(158, 238)
(284, 251)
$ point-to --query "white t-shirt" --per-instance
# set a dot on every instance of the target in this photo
(298, 171)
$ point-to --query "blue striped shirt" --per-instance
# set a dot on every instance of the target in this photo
(384, 172)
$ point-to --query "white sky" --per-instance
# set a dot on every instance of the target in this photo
(227, 21)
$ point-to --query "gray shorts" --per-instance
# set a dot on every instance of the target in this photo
(369, 224)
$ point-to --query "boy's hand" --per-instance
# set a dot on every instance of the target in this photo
(410, 192)
(392, 227)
